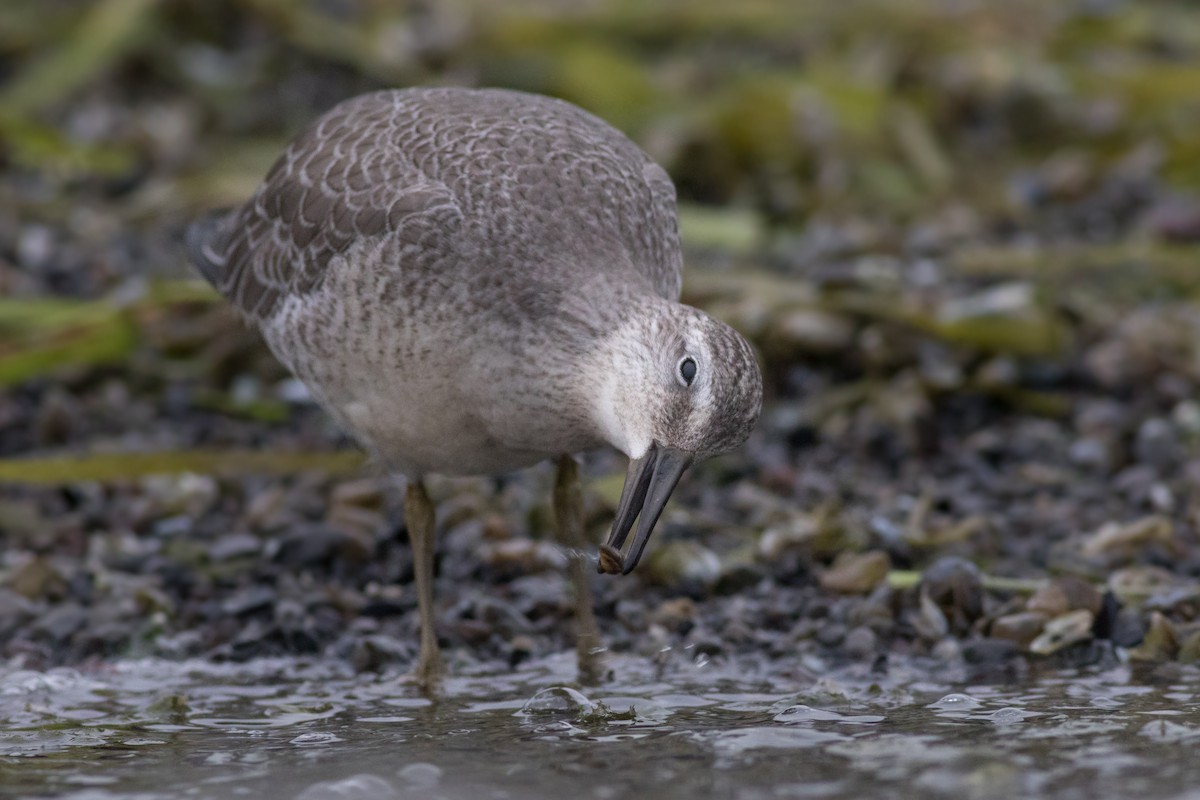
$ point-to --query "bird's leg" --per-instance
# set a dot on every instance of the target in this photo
(568, 509)
(419, 519)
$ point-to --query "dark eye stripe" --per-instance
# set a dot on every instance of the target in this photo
(687, 370)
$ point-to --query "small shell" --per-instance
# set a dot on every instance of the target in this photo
(611, 560)
(1063, 631)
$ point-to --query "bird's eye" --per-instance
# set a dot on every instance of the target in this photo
(687, 370)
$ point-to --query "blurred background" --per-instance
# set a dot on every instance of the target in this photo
(815, 131)
(963, 234)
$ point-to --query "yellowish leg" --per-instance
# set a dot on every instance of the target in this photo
(568, 509)
(418, 517)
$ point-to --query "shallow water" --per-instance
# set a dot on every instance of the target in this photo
(676, 728)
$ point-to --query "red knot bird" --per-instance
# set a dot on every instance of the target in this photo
(471, 281)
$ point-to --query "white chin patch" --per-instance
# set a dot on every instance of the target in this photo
(639, 448)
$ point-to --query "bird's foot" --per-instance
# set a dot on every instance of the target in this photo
(590, 664)
(426, 675)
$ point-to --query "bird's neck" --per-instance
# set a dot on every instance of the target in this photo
(624, 363)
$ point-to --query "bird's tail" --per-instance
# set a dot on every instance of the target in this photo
(204, 241)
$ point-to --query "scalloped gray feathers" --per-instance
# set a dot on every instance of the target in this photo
(440, 174)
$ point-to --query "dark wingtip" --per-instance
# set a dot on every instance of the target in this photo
(202, 243)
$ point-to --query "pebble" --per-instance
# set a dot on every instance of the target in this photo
(235, 545)
(249, 601)
(376, 652)
(1060, 595)
(682, 564)
(187, 495)
(38, 579)
(364, 493)
(1129, 629)
(1092, 452)
(310, 545)
(927, 619)
(60, 622)
(266, 510)
(956, 586)
(1160, 643)
(856, 573)
(1189, 647)
(831, 634)
(1020, 628)
(522, 556)
(1158, 444)
(677, 614)
(861, 643)
(947, 649)
(15, 611)
(521, 647)
(990, 651)
(805, 331)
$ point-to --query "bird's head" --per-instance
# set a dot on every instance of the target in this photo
(683, 387)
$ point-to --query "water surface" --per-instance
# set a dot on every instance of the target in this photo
(675, 728)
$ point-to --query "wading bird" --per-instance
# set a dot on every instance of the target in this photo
(473, 281)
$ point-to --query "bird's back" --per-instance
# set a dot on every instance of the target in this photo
(517, 186)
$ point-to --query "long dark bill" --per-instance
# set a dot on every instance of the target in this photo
(648, 485)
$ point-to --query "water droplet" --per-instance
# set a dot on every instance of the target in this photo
(1008, 716)
(558, 726)
(803, 713)
(956, 702)
(420, 774)
(557, 699)
(316, 738)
